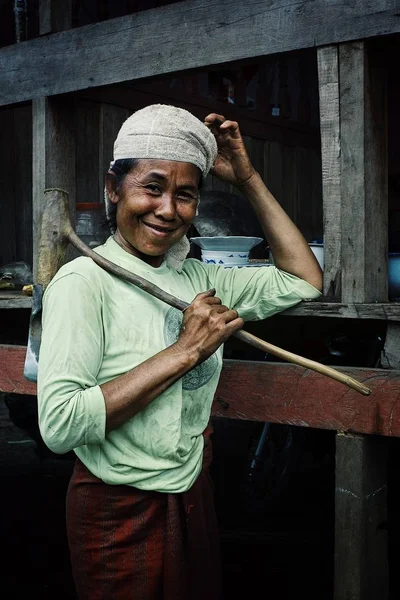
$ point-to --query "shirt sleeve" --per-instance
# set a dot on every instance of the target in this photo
(259, 293)
(71, 405)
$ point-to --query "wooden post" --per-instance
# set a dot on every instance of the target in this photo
(328, 78)
(352, 87)
(363, 141)
(53, 156)
(361, 553)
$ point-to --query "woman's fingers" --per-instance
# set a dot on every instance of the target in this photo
(222, 125)
(234, 326)
(214, 119)
(207, 294)
(231, 315)
(232, 126)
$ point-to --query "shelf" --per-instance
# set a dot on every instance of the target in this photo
(388, 311)
(14, 299)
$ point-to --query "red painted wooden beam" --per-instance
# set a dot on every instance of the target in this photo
(278, 393)
(283, 393)
(12, 359)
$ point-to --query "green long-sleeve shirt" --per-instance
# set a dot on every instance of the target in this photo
(97, 327)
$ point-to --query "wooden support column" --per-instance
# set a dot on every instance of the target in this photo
(53, 156)
(352, 90)
(352, 86)
(363, 143)
(328, 80)
(361, 553)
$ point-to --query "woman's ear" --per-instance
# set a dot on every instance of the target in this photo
(112, 187)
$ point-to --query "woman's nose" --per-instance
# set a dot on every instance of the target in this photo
(166, 207)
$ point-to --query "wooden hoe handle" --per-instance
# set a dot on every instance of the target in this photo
(58, 223)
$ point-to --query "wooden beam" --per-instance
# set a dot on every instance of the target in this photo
(12, 381)
(278, 393)
(283, 393)
(13, 299)
(361, 546)
(386, 311)
(328, 80)
(364, 201)
(334, 310)
(53, 156)
(180, 36)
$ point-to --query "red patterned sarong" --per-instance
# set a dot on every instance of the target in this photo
(128, 544)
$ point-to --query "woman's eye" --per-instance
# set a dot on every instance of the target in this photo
(153, 188)
(186, 196)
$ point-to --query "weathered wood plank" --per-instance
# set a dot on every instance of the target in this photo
(194, 34)
(389, 311)
(88, 151)
(278, 393)
(111, 119)
(44, 17)
(390, 357)
(306, 219)
(11, 299)
(23, 182)
(328, 80)
(16, 190)
(282, 393)
(54, 16)
(7, 182)
(12, 360)
(361, 566)
(53, 156)
(376, 171)
(380, 312)
(363, 175)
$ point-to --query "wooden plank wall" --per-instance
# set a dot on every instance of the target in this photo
(98, 127)
(16, 185)
(293, 174)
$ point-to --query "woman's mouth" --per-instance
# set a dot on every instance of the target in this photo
(158, 230)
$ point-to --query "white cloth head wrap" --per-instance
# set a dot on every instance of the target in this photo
(167, 133)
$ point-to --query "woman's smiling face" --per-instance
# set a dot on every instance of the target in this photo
(156, 204)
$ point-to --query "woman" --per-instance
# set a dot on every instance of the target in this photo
(127, 382)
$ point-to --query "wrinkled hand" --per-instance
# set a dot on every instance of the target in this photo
(232, 163)
(206, 325)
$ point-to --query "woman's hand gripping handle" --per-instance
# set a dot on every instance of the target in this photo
(207, 324)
